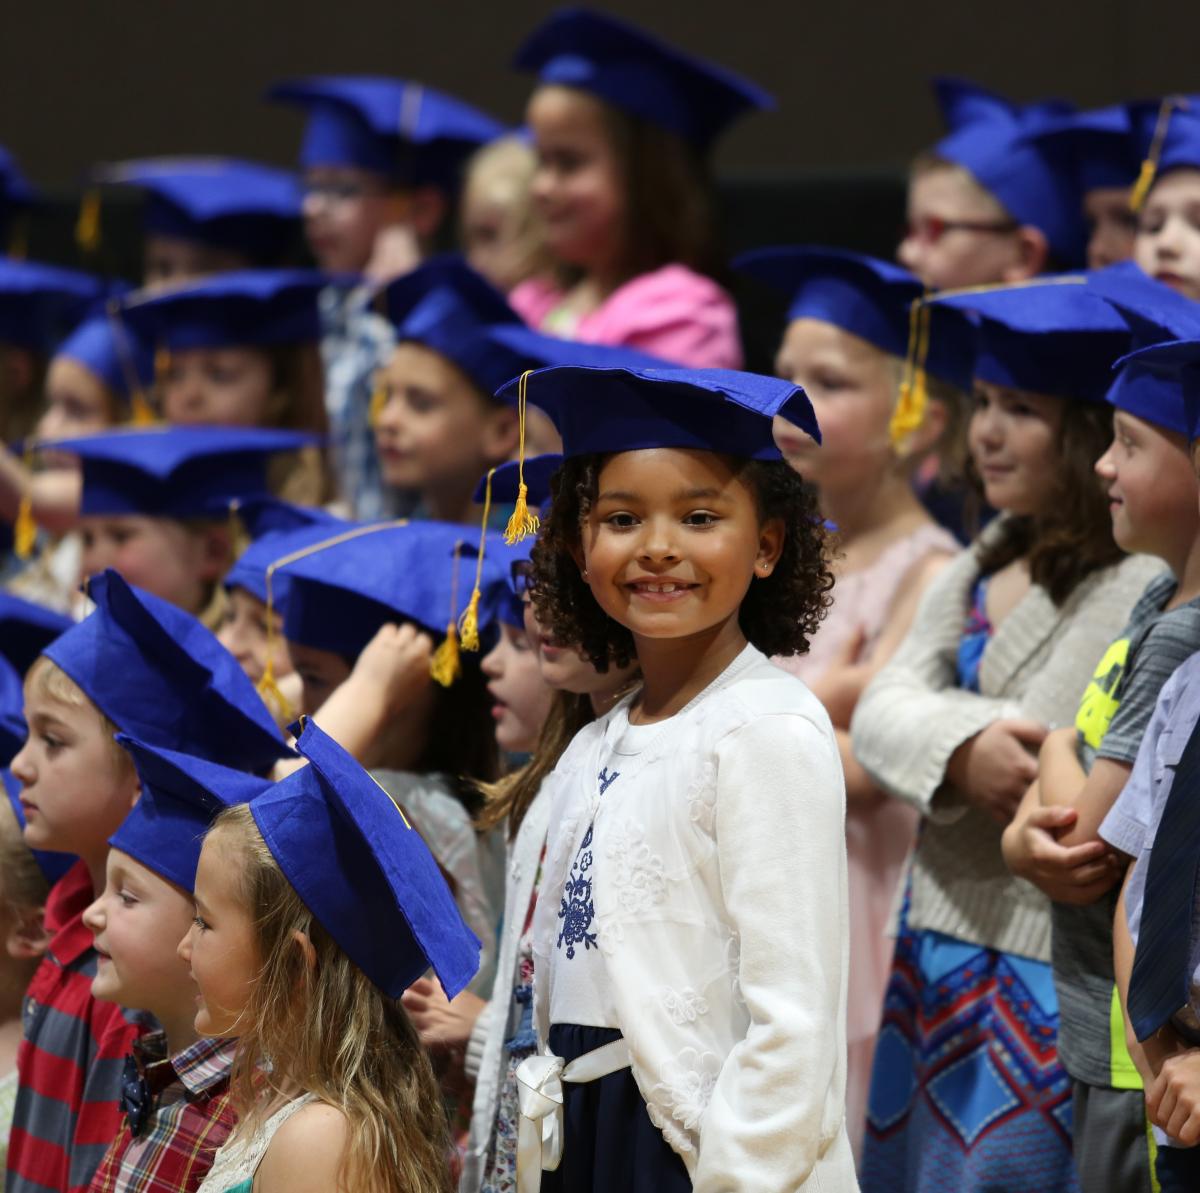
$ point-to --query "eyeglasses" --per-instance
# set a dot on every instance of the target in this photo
(929, 229)
(339, 191)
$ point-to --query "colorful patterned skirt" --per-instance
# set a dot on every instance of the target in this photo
(967, 1093)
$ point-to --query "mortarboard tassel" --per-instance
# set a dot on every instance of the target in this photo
(141, 413)
(914, 392)
(446, 665)
(25, 527)
(379, 399)
(268, 686)
(1149, 169)
(469, 622)
(87, 226)
(522, 523)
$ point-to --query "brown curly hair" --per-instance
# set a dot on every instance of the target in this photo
(779, 614)
(1072, 537)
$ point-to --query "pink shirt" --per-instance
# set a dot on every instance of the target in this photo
(672, 312)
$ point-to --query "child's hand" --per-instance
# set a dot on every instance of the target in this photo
(1173, 1101)
(994, 768)
(442, 1024)
(395, 664)
(1076, 874)
(396, 252)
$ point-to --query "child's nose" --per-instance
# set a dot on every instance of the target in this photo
(184, 949)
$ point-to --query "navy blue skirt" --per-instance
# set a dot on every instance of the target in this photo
(609, 1143)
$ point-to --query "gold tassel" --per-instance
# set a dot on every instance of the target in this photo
(522, 523)
(909, 413)
(87, 226)
(141, 413)
(379, 399)
(469, 622)
(268, 687)
(446, 665)
(24, 529)
(1149, 169)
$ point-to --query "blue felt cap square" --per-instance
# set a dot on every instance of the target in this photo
(639, 74)
(617, 410)
(403, 130)
(342, 592)
(181, 797)
(225, 203)
(1102, 147)
(13, 730)
(1048, 336)
(990, 137)
(1180, 361)
(39, 303)
(363, 871)
(161, 676)
(259, 568)
(26, 629)
(869, 298)
(243, 308)
(176, 472)
(112, 352)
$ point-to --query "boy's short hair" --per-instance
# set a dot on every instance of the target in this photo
(928, 162)
(48, 680)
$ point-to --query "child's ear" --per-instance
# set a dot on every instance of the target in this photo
(501, 433)
(426, 211)
(771, 536)
(1033, 254)
(27, 938)
(305, 945)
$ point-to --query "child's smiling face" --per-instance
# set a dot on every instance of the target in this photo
(673, 542)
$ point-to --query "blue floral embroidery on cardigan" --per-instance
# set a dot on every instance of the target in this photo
(575, 909)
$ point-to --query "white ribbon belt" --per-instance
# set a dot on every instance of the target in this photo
(540, 1093)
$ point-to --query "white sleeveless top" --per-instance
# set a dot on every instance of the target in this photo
(237, 1161)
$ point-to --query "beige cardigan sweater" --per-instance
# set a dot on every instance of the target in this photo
(913, 716)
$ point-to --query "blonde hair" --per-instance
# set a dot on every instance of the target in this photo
(47, 680)
(950, 447)
(501, 173)
(325, 1027)
(23, 886)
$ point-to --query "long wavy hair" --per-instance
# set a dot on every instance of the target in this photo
(326, 1028)
(1072, 536)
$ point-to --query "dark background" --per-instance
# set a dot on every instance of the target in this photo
(92, 80)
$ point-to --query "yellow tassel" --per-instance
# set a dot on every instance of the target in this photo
(1149, 169)
(87, 227)
(24, 529)
(272, 694)
(446, 666)
(913, 398)
(379, 399)
(469, 622)
(141, 413)
(522, 523)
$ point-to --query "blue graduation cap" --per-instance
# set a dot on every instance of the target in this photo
(163, 678)
(26, 629)
(1180, 360)
(990, 138)
(639, 74)
(268, 515)
(1102, 146)
(1154, 313)
(505, 480)
(616, 410)
(176, 472)
(52, 864)
(268, 548)
(1169, 130)
(342, 591)
(252, 307)
(111, 351)
(39, 303)
(1051, 336)
(13, 730)
(869, 298)
(225, 203)
(400, 129)
(363, 871)
(181, 797)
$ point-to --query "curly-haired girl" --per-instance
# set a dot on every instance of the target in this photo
(682, 984)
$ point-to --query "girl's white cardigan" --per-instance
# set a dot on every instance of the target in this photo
(719, 884)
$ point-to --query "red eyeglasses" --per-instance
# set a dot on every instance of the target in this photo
(929, 229)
